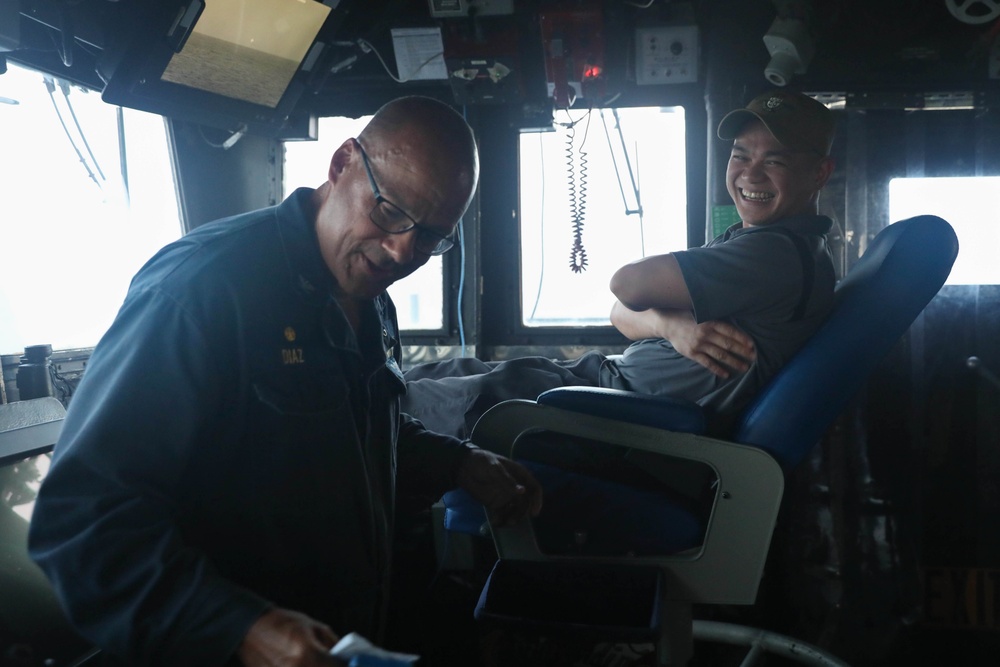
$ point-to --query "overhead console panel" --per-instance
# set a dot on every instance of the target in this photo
(233, 64)
(574, 54)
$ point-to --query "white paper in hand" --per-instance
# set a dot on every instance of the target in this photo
(354, 645)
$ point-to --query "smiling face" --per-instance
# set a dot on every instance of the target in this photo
(768, 181)
(363, 258)
(419, 154)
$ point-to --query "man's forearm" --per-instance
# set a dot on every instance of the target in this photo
(650, 323)
(719, 346)
(651, 282)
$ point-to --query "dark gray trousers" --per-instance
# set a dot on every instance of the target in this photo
(449, 396)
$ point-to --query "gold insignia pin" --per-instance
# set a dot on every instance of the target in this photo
(289, 334)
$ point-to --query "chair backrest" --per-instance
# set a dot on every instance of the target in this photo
(900, 272)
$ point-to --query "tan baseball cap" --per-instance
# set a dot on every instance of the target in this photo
(798, 121)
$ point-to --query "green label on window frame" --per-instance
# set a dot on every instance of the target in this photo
(723, 217)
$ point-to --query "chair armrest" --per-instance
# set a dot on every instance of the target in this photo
(728, 566)
(673, 414)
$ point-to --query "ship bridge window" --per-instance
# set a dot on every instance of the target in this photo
(970, 204)
(604, 188)
(419, 297)
(88, 197)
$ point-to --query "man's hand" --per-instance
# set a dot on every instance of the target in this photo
(505, 487)
(718, 346)
(287, 639)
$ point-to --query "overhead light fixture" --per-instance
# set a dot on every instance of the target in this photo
(791, 49)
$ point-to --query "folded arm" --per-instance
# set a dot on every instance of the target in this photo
(651, 282)
(654, 302)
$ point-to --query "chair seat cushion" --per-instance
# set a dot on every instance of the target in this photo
(583, 515)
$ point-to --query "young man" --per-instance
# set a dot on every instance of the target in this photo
(225, 482)
(711, 324)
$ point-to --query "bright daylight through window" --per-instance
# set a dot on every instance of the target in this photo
(605, 188)
(81, 211)
(970, 204)
(419, 297)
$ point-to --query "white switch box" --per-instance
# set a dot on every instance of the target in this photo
(666, 54)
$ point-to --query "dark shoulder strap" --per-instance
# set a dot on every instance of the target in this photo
(808, 268)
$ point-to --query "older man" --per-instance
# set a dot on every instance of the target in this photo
(225, 482)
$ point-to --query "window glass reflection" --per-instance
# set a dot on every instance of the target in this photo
(970, 204)
(82, 212)
(596, 171)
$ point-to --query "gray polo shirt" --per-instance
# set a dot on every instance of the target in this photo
(755, 278)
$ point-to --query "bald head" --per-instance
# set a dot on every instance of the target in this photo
(432, 134)
(394, 194)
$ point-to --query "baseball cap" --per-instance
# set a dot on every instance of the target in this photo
(798, 121)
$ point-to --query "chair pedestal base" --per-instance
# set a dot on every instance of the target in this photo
(591, 601)
(675, 645)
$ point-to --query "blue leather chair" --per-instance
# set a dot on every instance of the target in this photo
(719, 555)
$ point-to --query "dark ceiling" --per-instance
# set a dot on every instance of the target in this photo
(860, 44)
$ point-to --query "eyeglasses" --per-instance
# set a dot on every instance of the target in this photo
(393, 220)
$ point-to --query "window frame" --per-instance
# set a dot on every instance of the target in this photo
(132, 224)
(501, 307)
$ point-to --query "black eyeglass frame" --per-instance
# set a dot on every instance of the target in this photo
(442, 243)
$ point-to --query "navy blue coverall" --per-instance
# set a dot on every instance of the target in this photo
(233, 446)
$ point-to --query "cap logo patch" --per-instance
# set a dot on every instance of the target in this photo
(773, 103)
